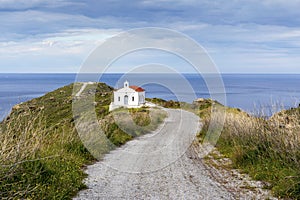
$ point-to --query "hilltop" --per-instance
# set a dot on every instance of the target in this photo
(42, 155)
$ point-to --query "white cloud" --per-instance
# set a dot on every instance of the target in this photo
(235, 32)
(27, 4)
(234, 48)
(27, 24)
(52, 52)
(67, 41)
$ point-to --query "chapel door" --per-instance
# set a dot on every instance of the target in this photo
(126, 100)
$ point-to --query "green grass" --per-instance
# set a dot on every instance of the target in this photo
(164, 103)
(263, 148)
(138, 121)
(41, 154)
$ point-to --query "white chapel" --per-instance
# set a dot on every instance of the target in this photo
(129, 96)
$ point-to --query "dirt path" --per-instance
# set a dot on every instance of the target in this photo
(159, 165)
(83, 88)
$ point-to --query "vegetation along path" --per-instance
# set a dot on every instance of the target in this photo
(159, 165)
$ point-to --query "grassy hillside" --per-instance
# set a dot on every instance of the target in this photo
(266, 149)
(42, 156)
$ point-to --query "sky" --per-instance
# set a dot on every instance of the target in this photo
(240, 36)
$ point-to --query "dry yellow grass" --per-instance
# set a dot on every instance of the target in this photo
(267, 149)
(19, 146)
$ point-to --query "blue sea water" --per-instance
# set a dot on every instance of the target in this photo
(249, 92)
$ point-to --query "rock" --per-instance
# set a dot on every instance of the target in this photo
(17, 107)
(199, 100)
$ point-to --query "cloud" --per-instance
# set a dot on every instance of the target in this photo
(257, 32)
(71, 41)
(34, 4)
(228, 13)
(59, 52)
(27, 24)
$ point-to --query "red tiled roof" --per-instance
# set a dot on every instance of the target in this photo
(137, 88)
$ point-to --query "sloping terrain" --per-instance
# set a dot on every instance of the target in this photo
(41, 154)
(156, 166)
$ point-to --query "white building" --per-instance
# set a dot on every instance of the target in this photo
(129, 96)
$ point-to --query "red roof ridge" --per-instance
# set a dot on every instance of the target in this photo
(137, 88)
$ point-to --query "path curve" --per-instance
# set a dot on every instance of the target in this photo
(159, 165)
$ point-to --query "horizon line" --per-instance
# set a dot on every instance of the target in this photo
(237, 73)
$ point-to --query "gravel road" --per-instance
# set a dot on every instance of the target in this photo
(159, 165)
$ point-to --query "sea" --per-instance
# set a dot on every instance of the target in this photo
(257, 94)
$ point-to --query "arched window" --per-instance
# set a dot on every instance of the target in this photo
(132, 98)
(119, 99)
